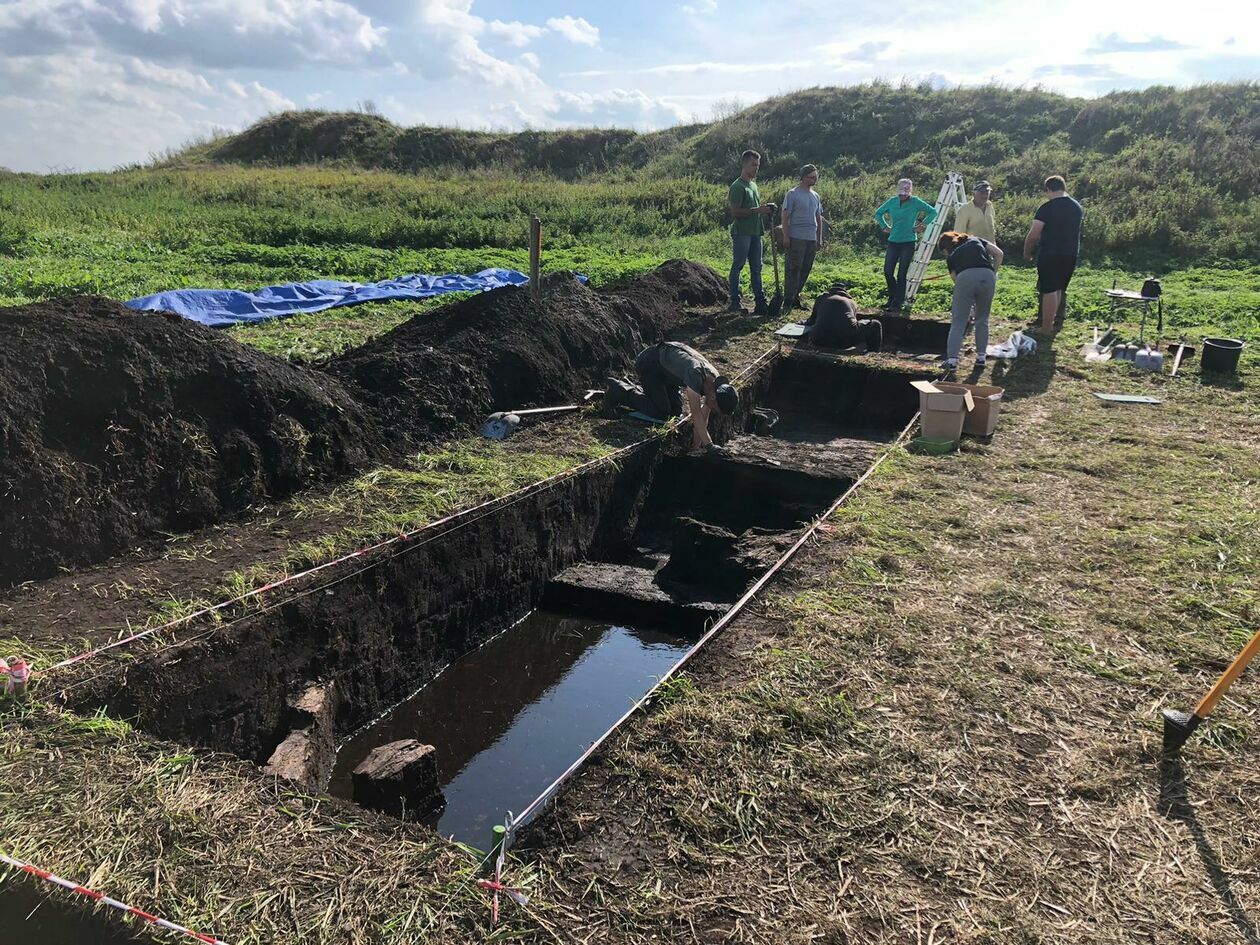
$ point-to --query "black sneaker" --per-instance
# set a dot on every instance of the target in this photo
(734, 306)
(761, 309)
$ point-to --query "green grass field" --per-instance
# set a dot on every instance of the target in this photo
(136, 232)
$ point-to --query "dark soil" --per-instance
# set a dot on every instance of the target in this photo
(662, 293)
(445, 371)
(116, 425)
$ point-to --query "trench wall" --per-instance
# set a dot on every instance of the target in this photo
(384, 632)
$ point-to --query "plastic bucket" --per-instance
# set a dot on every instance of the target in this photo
(1220, 355)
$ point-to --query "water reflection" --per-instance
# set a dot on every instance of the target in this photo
(509, 717)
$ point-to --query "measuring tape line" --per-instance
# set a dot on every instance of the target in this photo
(113, 903)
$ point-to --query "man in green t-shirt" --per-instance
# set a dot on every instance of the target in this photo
(748, 213)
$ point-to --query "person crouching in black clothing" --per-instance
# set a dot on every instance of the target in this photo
(835, 323)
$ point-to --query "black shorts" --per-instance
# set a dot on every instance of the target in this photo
(1054, 273)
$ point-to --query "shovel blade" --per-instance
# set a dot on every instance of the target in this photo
(1178, 727)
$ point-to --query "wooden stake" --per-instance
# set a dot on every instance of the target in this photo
(535, 254)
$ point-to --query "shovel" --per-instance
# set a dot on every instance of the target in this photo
(1179, 726)
(1100, 348)
(776, 303)
(1182, 350)
(501, 425)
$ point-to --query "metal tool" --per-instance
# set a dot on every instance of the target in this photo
(1094, 351)
(1181, 350)
(776, 303)
(951, 197)
(501, 425)
(1179, 726)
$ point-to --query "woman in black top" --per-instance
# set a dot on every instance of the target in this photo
(973, 265)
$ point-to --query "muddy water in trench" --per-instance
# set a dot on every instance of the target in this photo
(508, 718)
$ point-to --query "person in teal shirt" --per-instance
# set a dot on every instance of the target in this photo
(747, 215)
(898, 216)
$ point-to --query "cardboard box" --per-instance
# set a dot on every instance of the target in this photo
(988, 400)
(942, 412)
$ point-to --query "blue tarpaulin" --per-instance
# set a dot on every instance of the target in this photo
(219, 308)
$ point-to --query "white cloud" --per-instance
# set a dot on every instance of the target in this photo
(452, 47)
(215, 33)
(175, 78)
(690, 68)
(622, 108)
(700, 8)
(254, 92)
(575, 29)
(122, 110)
(515, 33)
(529, 61)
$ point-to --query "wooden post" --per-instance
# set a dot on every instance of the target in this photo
(535, 254)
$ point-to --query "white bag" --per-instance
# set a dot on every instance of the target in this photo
(1018, 343)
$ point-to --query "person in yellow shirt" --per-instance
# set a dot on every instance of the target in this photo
(976, 218)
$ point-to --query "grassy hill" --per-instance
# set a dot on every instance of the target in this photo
(1165, 173)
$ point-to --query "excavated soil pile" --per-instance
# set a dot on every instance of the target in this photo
(662, 293)
(444, 371)
(115, 425)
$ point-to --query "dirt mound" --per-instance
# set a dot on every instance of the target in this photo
(662, 293)
(446, 370)
(116, 425)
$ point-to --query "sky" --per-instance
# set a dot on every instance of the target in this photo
(97, 84)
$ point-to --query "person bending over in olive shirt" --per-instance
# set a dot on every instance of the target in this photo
(664, 368)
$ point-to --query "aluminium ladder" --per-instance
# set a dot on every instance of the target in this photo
(952, 197)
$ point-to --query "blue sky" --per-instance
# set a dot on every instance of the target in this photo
(90, 84)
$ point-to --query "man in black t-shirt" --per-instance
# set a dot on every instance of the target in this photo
(1056, 236)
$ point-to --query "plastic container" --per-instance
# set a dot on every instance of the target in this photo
(1220, 355)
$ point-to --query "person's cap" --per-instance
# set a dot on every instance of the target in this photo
(983, 185)
(905, 185)
(727, 396)
(839, 287)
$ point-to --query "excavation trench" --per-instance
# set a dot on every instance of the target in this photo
(513, 636)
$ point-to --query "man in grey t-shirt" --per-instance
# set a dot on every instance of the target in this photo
(802, 224)
(664, 368)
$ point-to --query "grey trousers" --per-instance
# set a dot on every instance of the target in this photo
(973, 289)
(800, 262)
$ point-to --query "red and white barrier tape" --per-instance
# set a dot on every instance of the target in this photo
(368, 549)
(113, 903)
(496, 885)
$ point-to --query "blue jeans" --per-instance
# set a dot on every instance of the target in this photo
(897, 256)
(746, 249)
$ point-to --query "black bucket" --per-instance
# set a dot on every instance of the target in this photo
(1220, 355)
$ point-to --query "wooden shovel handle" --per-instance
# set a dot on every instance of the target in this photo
(1217, 692)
